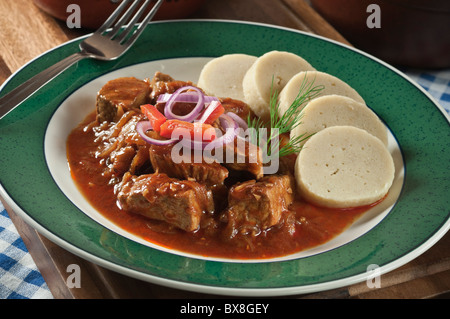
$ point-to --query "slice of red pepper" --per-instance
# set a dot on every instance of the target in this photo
(206, 131)
(154, 116)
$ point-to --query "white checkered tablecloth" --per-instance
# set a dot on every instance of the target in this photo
(19, 276)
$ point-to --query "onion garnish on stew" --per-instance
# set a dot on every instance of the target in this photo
(207, 109)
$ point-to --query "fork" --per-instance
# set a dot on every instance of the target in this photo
(100, 45)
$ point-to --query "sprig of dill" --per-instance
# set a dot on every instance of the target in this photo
(278, 126)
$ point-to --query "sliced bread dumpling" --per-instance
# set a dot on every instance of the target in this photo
(277, 67)
(223, 76)
(344, 167)
(329, 83)
(337, 110)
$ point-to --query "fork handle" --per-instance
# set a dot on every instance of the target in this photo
(11, 100)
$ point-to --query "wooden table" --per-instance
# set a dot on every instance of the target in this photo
(27, 32)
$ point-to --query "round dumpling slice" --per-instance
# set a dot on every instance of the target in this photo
(330, 84)
(344, 167)
(278, 66)
(223, 76)
(337, 110)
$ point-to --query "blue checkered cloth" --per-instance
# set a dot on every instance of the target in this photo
(437, 83)
(19, 276)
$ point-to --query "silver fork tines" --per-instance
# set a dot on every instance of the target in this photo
(103, 44)
(110, 45)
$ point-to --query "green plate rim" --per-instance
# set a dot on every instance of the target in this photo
(254, 279)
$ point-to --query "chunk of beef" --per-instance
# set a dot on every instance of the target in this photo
(211, 174)
(287, 162)
(241, 155)
(120, 146)
(157, 196)
(237, 107)
(119, 96)
(255, 206)
(162, 83)
(121, 158)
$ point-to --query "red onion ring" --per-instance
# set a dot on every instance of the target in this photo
(208, 111)
(238, 120)
(231, 130)
(174, 98)
(143, 126)
(186, 97)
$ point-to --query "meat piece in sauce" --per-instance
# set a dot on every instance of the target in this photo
(180, 203)
(121, 147)
(244, 157)
(162, 83)
(241, 155)
(212, 174)
(238, 107)
(287, 162)
(120, 95)
(255, 206)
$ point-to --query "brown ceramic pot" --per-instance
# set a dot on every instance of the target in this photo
(412, 32)
(95, 12)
